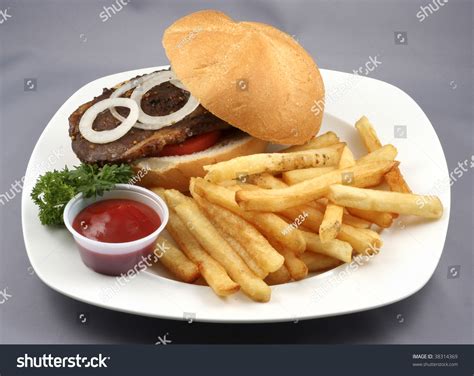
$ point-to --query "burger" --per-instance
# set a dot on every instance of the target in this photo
(232, 88)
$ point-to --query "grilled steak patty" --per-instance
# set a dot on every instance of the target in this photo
(138, 143)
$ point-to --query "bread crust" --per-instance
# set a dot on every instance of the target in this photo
(251, 75)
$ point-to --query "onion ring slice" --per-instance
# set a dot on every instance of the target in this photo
(104, 137)
(126, 87)
(157, 122)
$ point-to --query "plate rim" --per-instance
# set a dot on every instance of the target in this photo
(307, 316)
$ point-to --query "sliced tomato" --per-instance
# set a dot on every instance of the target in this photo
(192, 144)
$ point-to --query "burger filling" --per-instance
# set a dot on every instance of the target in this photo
(193, 132)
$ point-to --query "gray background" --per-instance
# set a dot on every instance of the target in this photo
(64, 45)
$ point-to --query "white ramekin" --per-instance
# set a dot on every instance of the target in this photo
(116, 258)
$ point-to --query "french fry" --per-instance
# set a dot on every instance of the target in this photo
(316, 262)
(270, 224)
(367, 134)
(214, 274)
(356, 236)
(363, 241)
(381, 219)
(396, 181)
(271, 162)
(241, 251)
(210, 239)
(202, 282)
(355, 221)
(359, 237)
(297, 176)
(267, 230)
(347, 158)
(332, 222)
(278, 277)
(322, 141)
(274, 200)
(371, 141)
(387, 152)
(311, 211)
(335, 248)
(333, 214)
(267, 181)
(312, 216)
(176, 262)
(297, 268)
(274, 227)
(382, 201)
(254, 243)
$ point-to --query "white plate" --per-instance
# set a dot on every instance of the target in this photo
(408, 259)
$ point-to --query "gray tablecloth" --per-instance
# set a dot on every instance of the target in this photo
(50, 48)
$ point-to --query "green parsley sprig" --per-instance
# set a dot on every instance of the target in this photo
(54, 189)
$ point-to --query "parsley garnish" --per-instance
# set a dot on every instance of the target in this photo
(54, 189)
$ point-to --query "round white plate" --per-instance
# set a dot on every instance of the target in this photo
(412, 247)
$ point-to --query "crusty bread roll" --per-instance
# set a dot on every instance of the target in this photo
(176, 172)
(249, 74)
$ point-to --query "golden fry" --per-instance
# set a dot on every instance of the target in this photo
(271, 162)
(247, 235)
(382, 201)
(332, 222)
(297, 176)
(270, 224)
(347, 158)
(355, 221)
(363, 241)
(322, 141)
(367, 134)
(267, 181)
(214, 274)
(297, 268)
(371, 141)
(278, 277)
(335, 248)
(210, 239)
(381, 219)
(274, 200)
(386, 152)
(176, 261)
(241, 251)
(316, 262)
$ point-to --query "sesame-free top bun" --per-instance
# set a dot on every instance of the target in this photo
(249, 74)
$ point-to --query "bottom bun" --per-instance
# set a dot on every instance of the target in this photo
(175, 172)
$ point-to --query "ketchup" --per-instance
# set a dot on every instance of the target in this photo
(116, 221)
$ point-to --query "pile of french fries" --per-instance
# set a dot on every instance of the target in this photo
(305, 209)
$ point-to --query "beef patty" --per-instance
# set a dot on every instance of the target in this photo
(138, 143)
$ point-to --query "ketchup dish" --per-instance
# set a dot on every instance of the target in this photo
(116, 231)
